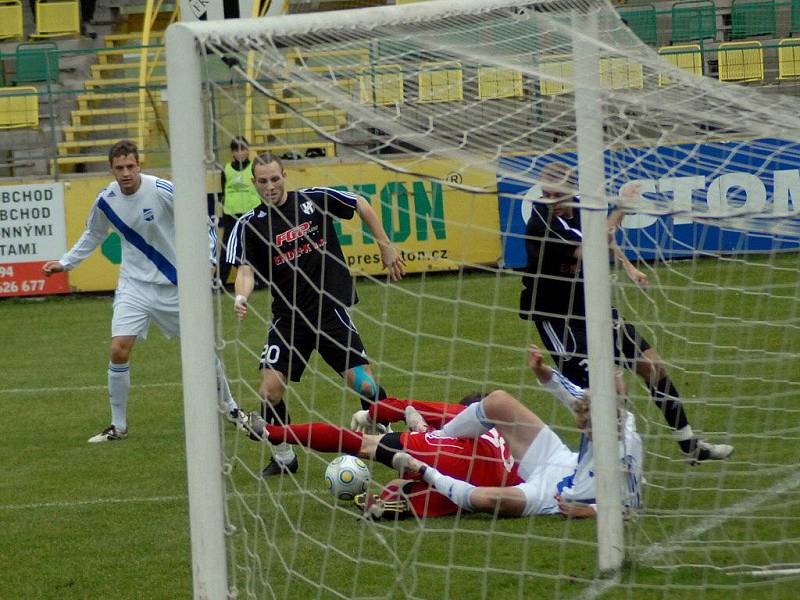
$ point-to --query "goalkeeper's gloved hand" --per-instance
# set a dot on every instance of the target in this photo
(362, 422)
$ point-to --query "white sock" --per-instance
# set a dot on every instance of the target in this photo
(683, 434)
(223, 388)
(283, 453)
(469, 423)
(458, 491)
(119, 384)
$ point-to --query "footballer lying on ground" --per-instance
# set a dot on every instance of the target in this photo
(468, 453)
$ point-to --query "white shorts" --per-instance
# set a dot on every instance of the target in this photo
(546, 462)
(137, 303)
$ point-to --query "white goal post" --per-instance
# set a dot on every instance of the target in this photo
(503, 87)
(189, 167)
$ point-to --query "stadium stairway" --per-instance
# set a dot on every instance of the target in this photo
(109, 107)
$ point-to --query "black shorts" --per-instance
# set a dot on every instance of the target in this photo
(565, 338)
(290, 344)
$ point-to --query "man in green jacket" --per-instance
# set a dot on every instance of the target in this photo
(238, 196)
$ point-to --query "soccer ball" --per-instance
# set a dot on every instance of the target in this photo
(346, 477)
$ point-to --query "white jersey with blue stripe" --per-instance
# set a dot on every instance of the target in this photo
(580, 486)
(146, 225)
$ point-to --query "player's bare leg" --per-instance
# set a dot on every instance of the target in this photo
(119, 385)
(517, 424)
(273, 410)
(362, 381)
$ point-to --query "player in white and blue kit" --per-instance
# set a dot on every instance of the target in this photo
(139, 208)
(556, 479)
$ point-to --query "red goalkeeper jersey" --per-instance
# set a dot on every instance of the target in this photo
(485, 461)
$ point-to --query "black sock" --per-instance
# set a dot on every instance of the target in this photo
(668, 401)
(367, 402)
(275, 414)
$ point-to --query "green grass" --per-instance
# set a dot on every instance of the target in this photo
(111, 520)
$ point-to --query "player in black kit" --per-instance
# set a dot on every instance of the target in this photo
(552, 297)
(289, 242)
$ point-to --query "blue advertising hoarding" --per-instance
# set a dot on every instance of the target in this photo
(759, 177)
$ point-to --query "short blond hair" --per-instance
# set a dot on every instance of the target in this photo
(558, 175)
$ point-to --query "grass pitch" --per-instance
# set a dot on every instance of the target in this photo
(111, 520)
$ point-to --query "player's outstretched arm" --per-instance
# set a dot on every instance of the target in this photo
(566, 392)
(575, 510)
(536, 362)
(614, 221)
(390, 257)
(97, 227)
(244, 284)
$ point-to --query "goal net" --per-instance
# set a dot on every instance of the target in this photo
(443, 115)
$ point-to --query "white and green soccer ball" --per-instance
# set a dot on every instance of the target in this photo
(346, 477)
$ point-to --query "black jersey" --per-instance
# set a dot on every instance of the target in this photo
(553, 280)
(294, 247)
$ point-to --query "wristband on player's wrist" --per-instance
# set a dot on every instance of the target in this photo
(240, 298)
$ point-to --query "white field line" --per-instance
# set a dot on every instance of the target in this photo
(83, 388)
(99, 387)
(656, 551)
(106, 501)
(766, 572)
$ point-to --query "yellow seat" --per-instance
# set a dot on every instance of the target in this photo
(57, 18)
(555, 70)
(687, 57)
(620, 73)
(741, 61)
(789, 58)
(384, 85)
(495, 83)
(440, 82)
(19, 107)
(11, 19)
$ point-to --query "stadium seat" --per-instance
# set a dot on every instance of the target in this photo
(11, 19)
(789, 58)
(494, 83)
(57, 18)
(383, 85)
(440, 82)
(620, 73)
(741, 61)
(555, 69)
(642, 21)
(36, 62)
(19, 107)
(752, 17)
(693, 20)
(687, 57)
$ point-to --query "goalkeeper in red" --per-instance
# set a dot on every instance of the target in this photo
(487, 455)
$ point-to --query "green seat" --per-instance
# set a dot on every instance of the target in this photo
(693, 20)
(36, 62)
(795, 16)
(642, 21)
(753, 17)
